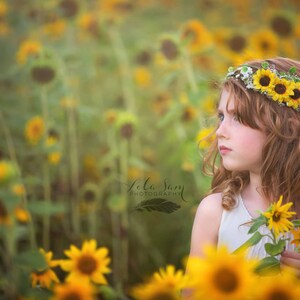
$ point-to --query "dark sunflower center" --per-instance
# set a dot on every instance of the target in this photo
(296, 94)
(276, 217)
(280, 88)
(226, 280)
(265, 45)
(237, 43)
(279, 295)
(72, 296)
(169, 49)
(87, 264)
(264, 81)
(281, 26)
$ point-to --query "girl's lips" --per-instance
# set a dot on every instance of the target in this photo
(224, 150)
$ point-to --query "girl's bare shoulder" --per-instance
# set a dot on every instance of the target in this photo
(211, 203)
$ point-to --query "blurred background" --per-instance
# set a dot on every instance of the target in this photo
(104, 105)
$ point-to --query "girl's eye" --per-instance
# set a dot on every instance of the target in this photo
(220, 117)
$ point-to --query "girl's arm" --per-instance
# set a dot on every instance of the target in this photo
(291, 259)
(206, 224)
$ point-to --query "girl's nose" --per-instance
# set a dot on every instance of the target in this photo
(222, 130)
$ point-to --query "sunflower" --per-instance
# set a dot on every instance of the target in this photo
(54, 157)
(18, 189)
(22, 215)
(220, 275)
(264, 42)
(55, 29)
(7, 171)
(28, 48)
(3, 8)
(142, 76)
(294, 100)
(284, 286)
(196, 35)
(34, 130)
(165, 284)
(282, 90)
(45, 277)
(79, 290)
(89, 263)
(277, 217)
(296, 235)
(263, 80)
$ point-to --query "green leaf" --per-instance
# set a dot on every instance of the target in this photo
(296, 223)
(46, 208)
(157, 204)
(32, 260)
(267, 265)
(275, 249)
(293, 70)
(261, 220)
(256, 237)
(265, 64)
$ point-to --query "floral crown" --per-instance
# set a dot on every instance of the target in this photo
(281, 87)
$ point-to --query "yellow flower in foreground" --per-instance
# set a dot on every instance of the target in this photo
(79, 290)
(221, 275)
(89, 263)
(165, 284)
(45, 277)
(28, 48)
(278, 216)
(283, 286)
(296, 235)
(34, 130)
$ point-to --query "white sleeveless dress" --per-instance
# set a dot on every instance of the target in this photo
(233, 231)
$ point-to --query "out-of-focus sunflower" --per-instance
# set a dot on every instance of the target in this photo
(165, 284)
(220, 275)
(22, 215)
(55, 29)
(79, 290)
(189, 113)
(161, 103)
(278, 217)
(282, 25)
(264, 42)
(54, 157)
(3, 8)
(142, 76)
(45, 277)
(28, 48)
(4, 215)
(196, 36)
(87, 264)
(116, 10)
(282, 90)
(18, 189)
(282, 286)
(8, 171)
(34, 130)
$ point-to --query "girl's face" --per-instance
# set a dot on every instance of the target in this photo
(239, 145)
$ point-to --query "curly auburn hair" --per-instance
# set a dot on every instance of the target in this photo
(280, 172)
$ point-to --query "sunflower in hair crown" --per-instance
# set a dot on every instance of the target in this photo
(281, 87)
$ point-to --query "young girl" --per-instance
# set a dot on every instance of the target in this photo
(255, 157)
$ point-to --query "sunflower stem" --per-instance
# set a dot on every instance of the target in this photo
(13, 156)
(46, 175)
(125, 70)
(190, 74)
(74, 169)
(124, 215)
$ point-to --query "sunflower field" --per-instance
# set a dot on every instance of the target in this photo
(104, 107)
